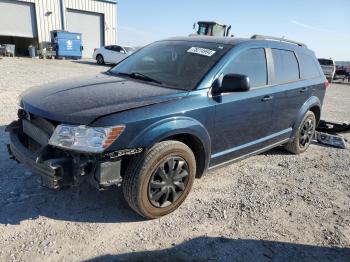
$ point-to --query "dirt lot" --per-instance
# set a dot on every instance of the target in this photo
(275, 206)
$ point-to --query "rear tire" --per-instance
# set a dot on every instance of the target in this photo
(100, 60)
(159, 180)
(304, 135)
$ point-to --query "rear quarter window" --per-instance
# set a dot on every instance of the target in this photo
(286, 67)
(309, 67)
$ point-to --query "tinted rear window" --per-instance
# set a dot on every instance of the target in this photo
(286, 66)
(326, 62)
(309, 68)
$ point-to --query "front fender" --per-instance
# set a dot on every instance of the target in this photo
(311, 102)
(170, 127)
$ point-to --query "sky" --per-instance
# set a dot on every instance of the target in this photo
(324, 25)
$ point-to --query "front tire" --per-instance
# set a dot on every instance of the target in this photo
(158, 181)
(100, 60)
(304, 135)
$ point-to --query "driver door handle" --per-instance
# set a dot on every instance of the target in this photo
(267, 98)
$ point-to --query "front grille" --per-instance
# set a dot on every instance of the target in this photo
(36, 131)
(46, 125)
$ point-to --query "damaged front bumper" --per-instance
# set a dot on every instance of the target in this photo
(52, 171)
(61, 168)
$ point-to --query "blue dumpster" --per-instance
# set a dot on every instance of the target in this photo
(67, 44)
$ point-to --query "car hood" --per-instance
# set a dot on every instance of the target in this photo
(81, 101)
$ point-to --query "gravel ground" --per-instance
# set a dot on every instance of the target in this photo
(274, 206)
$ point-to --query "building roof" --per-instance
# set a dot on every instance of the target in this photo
(109, 1)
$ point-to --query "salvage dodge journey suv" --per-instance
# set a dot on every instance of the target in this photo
(167, 114)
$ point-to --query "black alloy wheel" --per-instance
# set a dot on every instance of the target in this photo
(100, 60)
(306, 133)
(168, 182)
(303, 135)
(157, 181)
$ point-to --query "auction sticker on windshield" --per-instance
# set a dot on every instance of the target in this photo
(201, 51)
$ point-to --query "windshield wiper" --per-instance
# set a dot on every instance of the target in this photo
(141, 76)
(144, 77)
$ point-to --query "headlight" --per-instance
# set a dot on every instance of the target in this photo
(84, 138)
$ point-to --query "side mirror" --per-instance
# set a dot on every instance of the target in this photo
(232, 83)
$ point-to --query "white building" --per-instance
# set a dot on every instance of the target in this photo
(26, 22)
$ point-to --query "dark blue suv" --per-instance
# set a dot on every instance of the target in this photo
(167, 114)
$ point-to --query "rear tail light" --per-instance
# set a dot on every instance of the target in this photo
(95, 49)
(326, 84)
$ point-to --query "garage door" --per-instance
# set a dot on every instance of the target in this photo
(90, 25)
(17, 19)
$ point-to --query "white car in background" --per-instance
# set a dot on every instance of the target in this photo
(112, 54)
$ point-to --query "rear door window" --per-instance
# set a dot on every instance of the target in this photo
(286, 67)
(308, 66)
(251, 63)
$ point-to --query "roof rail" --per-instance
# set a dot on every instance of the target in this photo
(266, 37)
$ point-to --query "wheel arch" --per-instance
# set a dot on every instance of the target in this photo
(317, 111)
(313, 104)
(183, 129)
(196, 145)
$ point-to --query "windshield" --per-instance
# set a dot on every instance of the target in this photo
(177, 64)
(219, 30)
(326, 62)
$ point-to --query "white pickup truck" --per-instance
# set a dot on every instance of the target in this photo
(328, 67)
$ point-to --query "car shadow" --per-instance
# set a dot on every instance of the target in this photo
(276, 151)
(281, 151)
(225, 249)
(22, 197)
(339, 82)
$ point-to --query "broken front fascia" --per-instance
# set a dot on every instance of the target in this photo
(60, 168)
